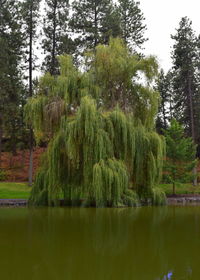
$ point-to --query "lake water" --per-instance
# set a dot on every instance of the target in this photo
(147, 243)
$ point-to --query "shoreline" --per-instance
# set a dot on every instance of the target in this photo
(183, 199)
(13, 203)
(187, 199)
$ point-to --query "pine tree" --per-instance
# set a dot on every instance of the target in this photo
(132, 23)
(30, 14)
(181, 152)
(186, 79)
(3, 97)
(165, 112)
(11, 87)
(55, 29)
(94, 22)
(185, 83)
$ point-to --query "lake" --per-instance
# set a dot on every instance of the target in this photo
(146, 243)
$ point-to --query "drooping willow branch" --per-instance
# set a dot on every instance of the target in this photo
(102, 154)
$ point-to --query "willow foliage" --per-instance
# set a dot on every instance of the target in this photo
(159, 197)
(101, 154)
(57, 96)
(118, 73)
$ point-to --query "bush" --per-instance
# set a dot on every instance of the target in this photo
(3, 175)
(158, 197)
(130, 198)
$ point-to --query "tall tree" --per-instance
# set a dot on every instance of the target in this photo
(186, 79)
(30, 13)
(132, 23)
(185, 83)
(10, 70)
(93, 21)
(116, 71)
(103, 154)
(56, 39)
(181, 152)
(165, 111)
(3, 64)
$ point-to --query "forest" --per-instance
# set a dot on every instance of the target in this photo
(74, 80)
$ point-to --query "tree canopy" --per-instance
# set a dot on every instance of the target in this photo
(181, 152)
(102, 152)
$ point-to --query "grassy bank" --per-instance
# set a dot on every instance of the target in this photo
(180, 189)
(10, 190)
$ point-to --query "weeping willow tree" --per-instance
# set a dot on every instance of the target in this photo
(103, 149)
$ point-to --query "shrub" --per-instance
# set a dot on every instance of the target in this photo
(158, 197)
(3, 175)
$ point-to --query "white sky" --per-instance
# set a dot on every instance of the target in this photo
(162, 18)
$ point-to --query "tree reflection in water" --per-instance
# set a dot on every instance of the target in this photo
(147, 243)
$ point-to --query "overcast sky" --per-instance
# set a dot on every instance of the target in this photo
(162, 18)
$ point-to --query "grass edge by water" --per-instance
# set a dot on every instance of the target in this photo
(14, 190)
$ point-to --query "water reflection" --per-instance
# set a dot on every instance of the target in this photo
(186, 275)
(168, 276)
(148, 243)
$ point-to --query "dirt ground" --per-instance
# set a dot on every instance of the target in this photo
(16, 167)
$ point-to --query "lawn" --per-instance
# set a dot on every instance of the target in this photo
(10, 190)
(180, 189)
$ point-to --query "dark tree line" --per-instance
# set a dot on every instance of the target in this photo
(11, 84)
(55, 27)
(180, 87)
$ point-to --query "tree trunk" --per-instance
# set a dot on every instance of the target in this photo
(195, 183)
(30, 173)
(164, 115)
(96, 27)
(170, 108)
(14, 148)
(53, 61)
(174, 190)
(125, 28)
(1, 136)
(13, 140)
(191, 109)
(192, 124)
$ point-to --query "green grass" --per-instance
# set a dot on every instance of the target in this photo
(10, 190)
(180, 189)
(14, 190)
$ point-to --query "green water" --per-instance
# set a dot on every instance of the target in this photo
(146, 243)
